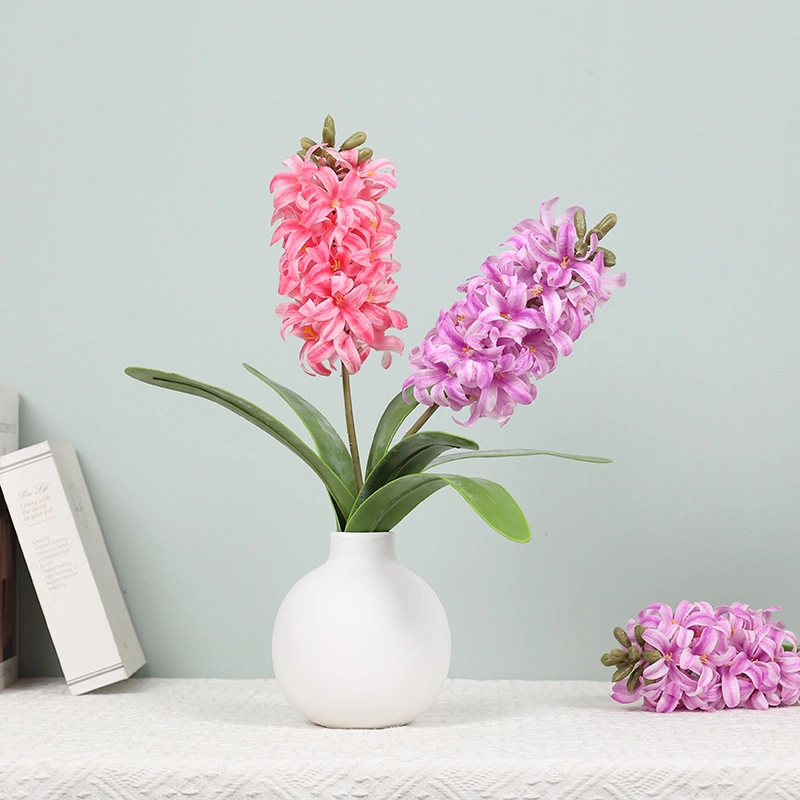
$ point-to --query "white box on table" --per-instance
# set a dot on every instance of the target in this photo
(9, 441)
(63, 546)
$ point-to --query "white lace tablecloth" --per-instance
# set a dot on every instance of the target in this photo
(482, 740)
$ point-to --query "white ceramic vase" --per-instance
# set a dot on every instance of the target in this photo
(361, 642)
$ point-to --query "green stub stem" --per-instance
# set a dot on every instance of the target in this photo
(622, 637)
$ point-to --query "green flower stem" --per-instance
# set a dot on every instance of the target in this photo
(351, 429)
(426, 415)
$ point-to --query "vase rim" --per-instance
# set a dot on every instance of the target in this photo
(362, 534)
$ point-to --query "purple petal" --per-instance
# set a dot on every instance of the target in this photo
(730, 689)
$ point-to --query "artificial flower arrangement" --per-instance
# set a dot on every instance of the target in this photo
(702, 658)
(527, 307)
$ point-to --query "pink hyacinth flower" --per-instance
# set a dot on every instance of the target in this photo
(338, 240)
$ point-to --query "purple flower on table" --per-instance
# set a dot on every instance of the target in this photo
(741, 616)
(788, 690)
(708, 651)
(670, 681)
(762, 673)
(704, 658)
(622, 694)
(687, 617)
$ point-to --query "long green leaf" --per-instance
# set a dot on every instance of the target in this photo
(514, 454)
(341, 495)
(330, 447)
(493, 504)
(382, 510)
(341, 518)
(390, 504)
(388, 425)
(410, 455)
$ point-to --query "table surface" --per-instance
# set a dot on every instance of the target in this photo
(510, 740)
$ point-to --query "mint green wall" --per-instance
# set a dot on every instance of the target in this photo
(137, 144)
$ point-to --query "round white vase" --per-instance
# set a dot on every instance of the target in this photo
(361, 642)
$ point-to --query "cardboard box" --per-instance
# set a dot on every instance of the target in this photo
(9, 441)
(72, 573)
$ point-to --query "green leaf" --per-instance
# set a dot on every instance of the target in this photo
(516, 453)
(410, 455)
(340, 494)
(341, 518)
(388, 425)
(382, 510)
(330, 447)
(493, 504)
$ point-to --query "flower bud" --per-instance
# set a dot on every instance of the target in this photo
(622, 637)
(609, 259)
(580, 223)
(364, 154)
(638, 632)
(307, 143)
(604, 226)
(633, 680)
(329, 131)
(618, 655)
(581, 248)
(357, 139)
(651, 656)
(607, 660)
(622, 672)
(301, 153)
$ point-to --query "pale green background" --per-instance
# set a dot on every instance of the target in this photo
(138, 141)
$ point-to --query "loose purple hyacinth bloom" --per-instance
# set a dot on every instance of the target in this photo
(474, 360)
(702, 658)
(528, 306)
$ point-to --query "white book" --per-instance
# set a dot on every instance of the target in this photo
(71, 570)
(9, 441)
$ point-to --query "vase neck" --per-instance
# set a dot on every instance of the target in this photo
(362, 546)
